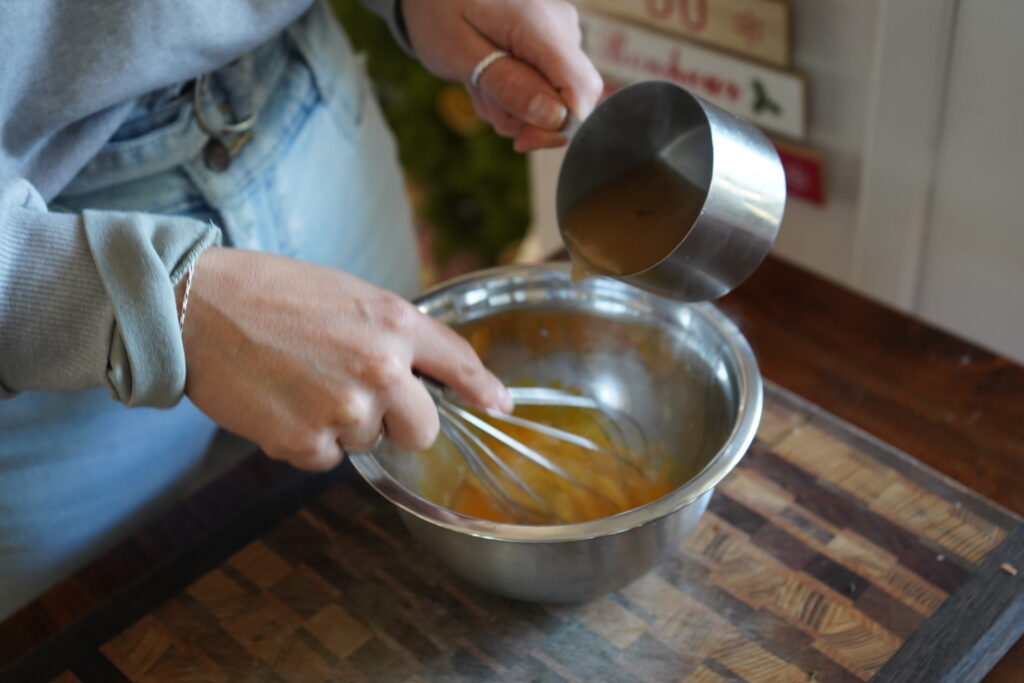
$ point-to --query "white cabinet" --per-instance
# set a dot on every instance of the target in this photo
(972, 268)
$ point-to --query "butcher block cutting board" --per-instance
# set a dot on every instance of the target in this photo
(826, 555)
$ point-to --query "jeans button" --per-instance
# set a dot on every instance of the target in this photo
(216, 156)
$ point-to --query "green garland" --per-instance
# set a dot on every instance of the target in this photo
(473, 186)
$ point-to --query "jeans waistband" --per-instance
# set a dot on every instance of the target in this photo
(162, 132)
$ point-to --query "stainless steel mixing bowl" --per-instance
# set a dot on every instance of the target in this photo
(683, 371)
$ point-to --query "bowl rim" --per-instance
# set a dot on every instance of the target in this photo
(740, 437)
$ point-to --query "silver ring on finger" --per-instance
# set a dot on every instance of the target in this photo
(483, 64)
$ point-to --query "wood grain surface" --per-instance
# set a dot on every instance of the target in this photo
(945, 401)
(819, 556)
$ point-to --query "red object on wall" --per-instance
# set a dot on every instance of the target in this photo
(805, 172)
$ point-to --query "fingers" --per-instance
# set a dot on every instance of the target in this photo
(530, 138)
(411, 420)
(546, 75)
(507, 125)
(358, 414)
(447, 357)
(527, 138)
(514, 88)
(318, 452)
(544, 35)
(524, 93)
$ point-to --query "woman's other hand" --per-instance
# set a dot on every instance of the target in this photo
(308, 361)
(524, 97)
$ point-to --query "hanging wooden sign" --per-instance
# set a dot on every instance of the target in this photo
(772, 98)
(754, 28)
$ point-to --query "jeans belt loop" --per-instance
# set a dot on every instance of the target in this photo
(225, 143)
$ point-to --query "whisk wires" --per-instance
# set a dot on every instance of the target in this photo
(565, 458)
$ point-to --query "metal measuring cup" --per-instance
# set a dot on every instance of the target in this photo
(729, 160)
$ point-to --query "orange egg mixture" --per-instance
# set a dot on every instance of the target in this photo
(605, 485)
(598, 484)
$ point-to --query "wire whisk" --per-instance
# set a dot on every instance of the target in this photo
(599, 470)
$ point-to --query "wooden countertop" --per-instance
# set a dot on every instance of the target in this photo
(946, 402)
(943, 400)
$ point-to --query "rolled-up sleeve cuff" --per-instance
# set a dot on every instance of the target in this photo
(140, 258)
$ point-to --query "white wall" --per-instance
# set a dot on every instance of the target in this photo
(918, 106)
(972, 276)
(833, 45)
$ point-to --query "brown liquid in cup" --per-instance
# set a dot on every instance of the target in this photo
(632, 222)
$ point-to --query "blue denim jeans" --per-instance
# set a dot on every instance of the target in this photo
(318, 181)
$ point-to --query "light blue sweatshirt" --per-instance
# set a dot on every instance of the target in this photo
(87, 300)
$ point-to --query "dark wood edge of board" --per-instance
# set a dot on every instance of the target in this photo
(949, 648)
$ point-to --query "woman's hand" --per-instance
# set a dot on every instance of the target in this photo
(525, 96)
(307, 361)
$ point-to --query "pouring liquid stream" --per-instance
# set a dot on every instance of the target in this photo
(632, 222)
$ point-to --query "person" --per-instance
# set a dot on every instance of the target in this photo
(202, 223)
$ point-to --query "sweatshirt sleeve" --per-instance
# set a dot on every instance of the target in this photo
(87, 300)
(391, 11)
